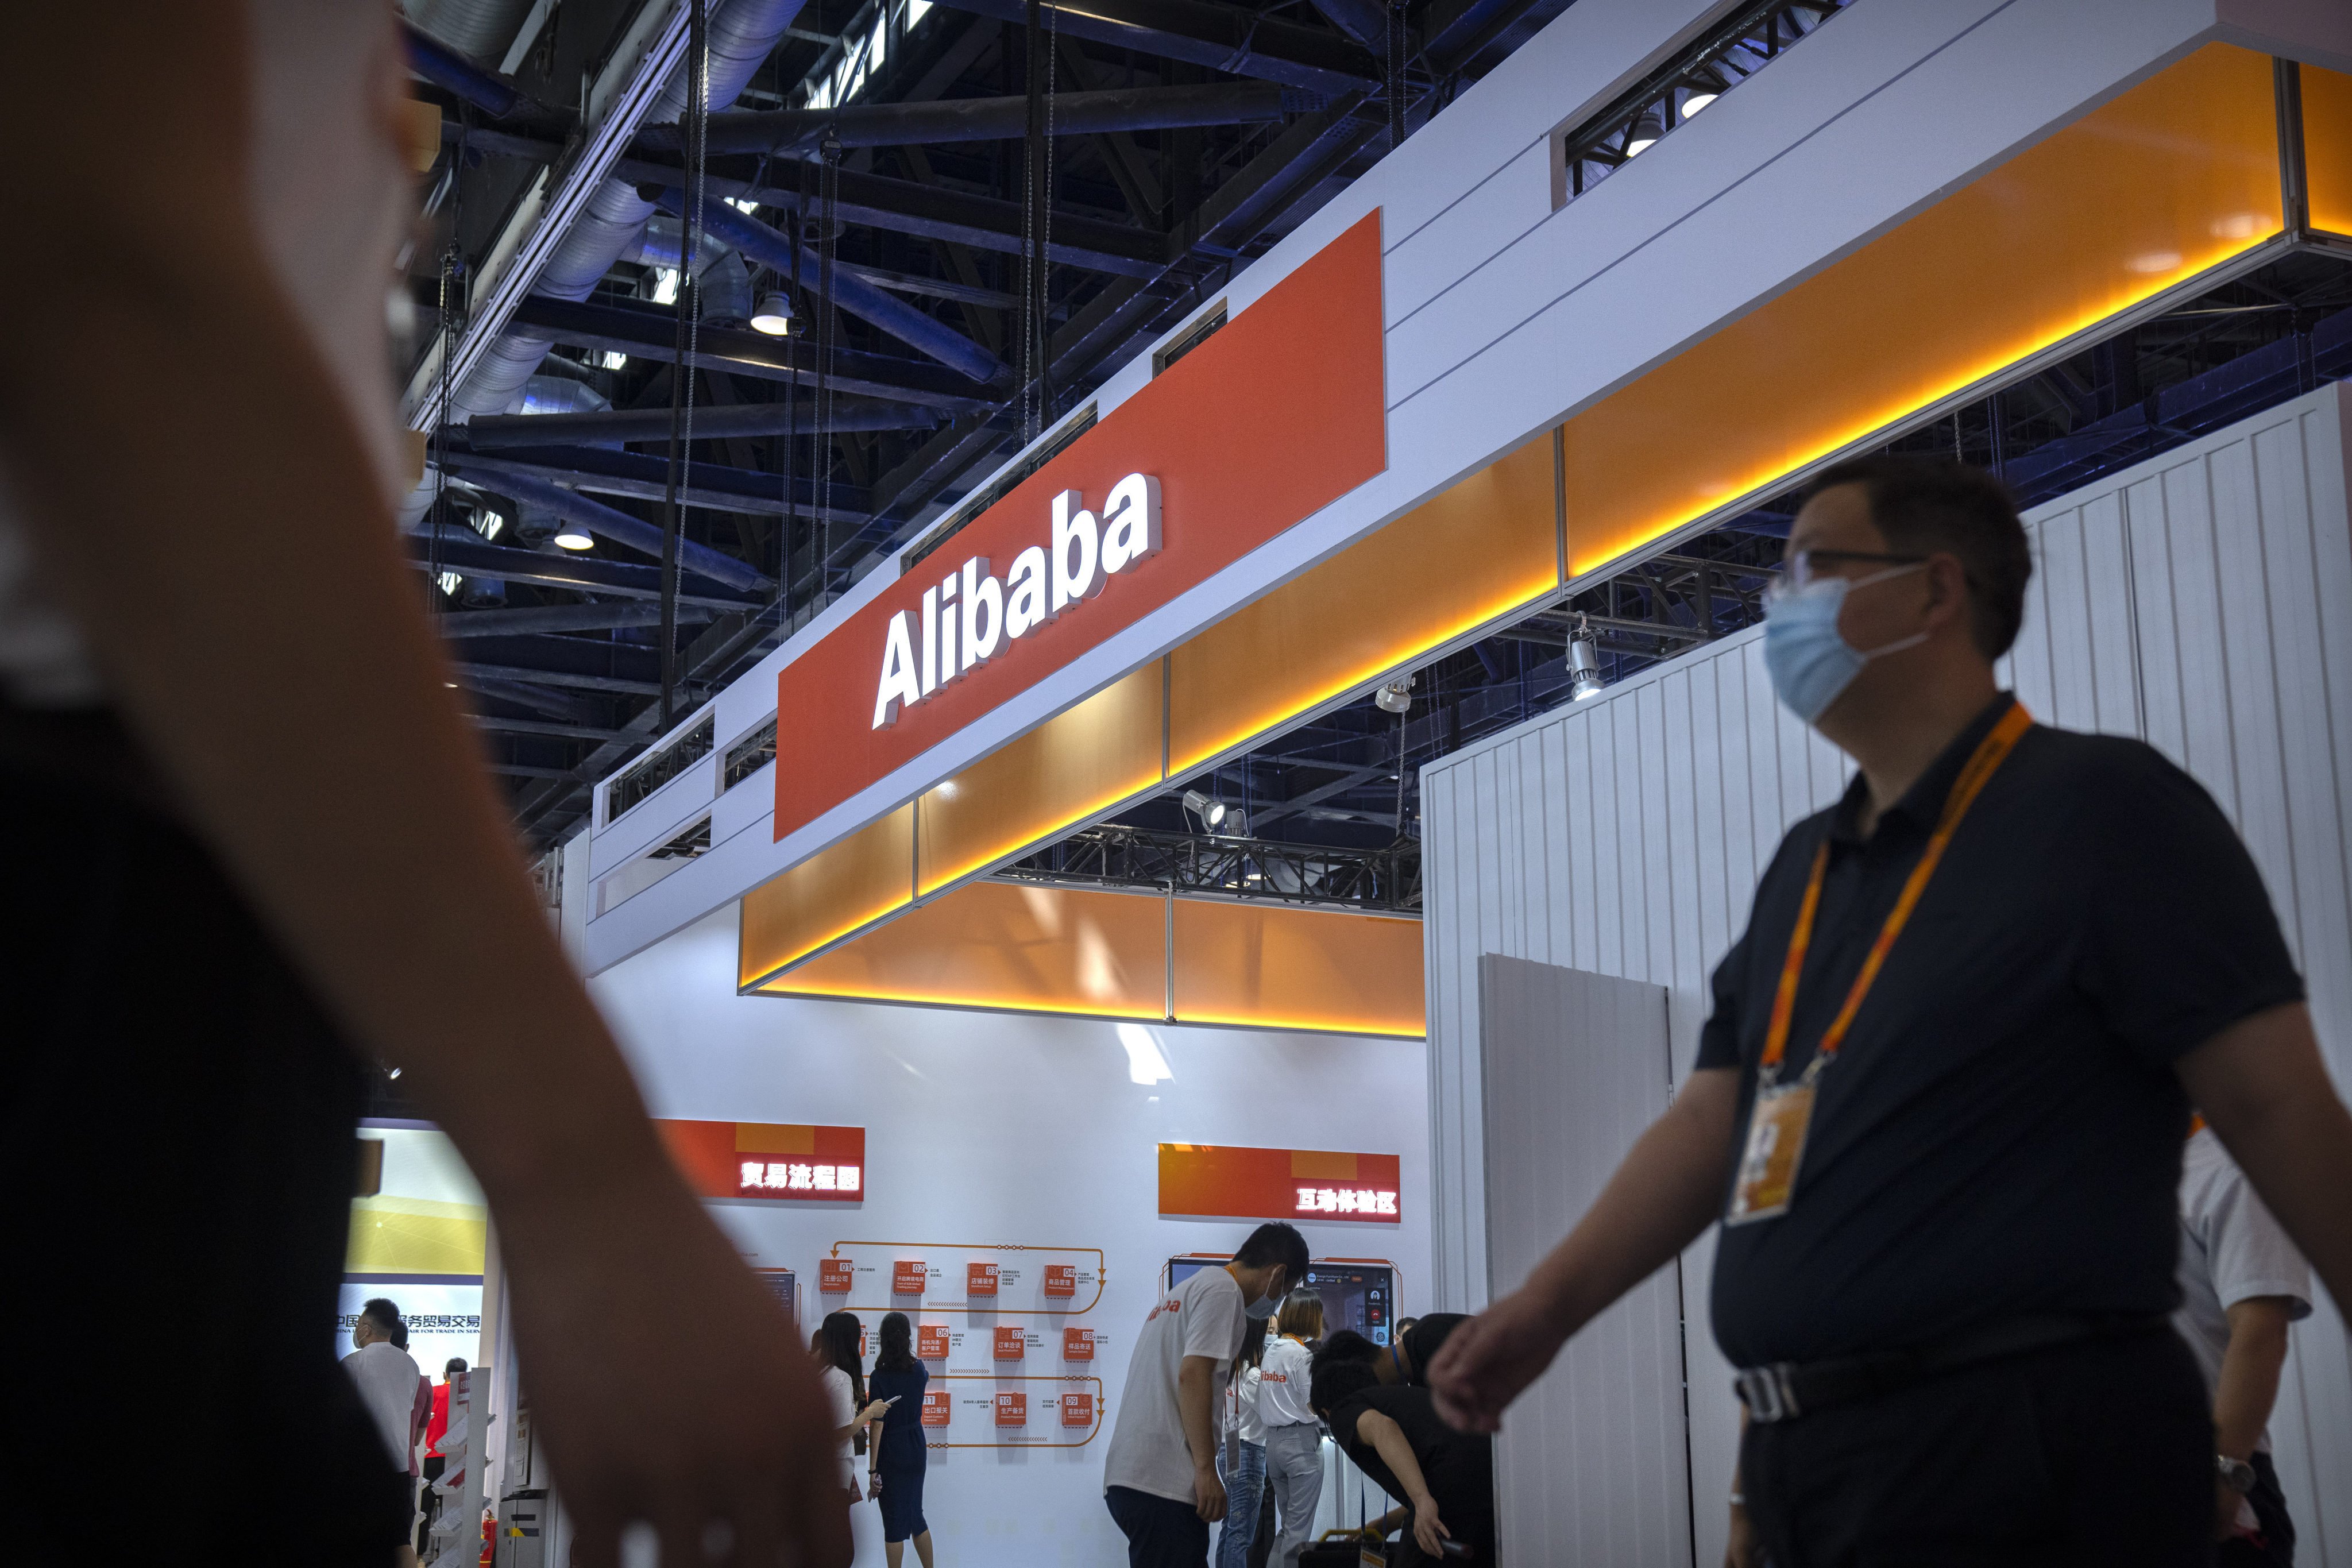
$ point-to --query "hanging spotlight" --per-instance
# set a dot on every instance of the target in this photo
(774, 316)
(1644, 134)
(1396, 696)
(572, 536)
(1584, 679)
(1210, 812)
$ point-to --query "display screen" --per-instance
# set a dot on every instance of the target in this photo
(1359, 1296)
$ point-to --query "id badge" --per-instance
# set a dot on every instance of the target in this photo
(1768, 1164)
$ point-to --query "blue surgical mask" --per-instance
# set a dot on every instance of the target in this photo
(1809, 660)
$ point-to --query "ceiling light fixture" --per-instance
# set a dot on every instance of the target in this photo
(1397, 695)
(572, 536)
(1584, 678)
(1695, 102)
(774, 316)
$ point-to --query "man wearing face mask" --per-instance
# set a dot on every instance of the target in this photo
(1159, 1475)
(1940, 1105)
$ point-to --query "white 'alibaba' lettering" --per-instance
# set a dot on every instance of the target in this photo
(968, 617)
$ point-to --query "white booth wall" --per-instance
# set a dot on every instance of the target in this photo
(999, 1130)
(2201, 601)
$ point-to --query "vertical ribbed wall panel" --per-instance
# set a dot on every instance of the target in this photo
(2201, 601)
(1576, 1066)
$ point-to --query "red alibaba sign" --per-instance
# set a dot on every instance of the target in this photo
(1262, 426)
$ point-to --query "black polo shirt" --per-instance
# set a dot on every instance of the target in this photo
(2000, 1132)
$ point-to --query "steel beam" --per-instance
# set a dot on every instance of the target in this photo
(558, 618)
(541, 489)
(980, 119)
(465, 552)
(622, 329)
(610, 685)
(1230, 38)
(878, 306)
(490, 431)
(547, 726)
(931, 212)
(644, 477)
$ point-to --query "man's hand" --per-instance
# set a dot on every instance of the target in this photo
(1488, 1361)
(1739, 1546)
(1429, 1530)
(2227, 1500)
(1208, 1493)
(731, 1439)
(1664, 1195)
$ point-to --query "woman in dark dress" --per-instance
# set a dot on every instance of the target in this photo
(896, 1471)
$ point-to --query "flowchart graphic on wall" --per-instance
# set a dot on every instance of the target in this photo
(1008, 1370)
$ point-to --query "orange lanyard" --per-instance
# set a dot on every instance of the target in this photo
(1990, 752)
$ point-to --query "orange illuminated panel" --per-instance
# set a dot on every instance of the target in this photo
(993, 944)
(1265, 424)
(2327, 148)
(1275, 966)
(769, 1160)
(1455, 561)
(832, 893)
(2171, 178)
(1229, 1181)
(1070, 768)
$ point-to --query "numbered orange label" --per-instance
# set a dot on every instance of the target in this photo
(931, 1342)
(1077, 1410)
(1077, 1344)
(1012, 1345)
(908, 1277)
(935, 1407)
(833, 1276)
(980, 1279)
(1061, 1279)
(1013, 1409)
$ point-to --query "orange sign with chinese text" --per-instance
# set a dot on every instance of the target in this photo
(1230, 1182)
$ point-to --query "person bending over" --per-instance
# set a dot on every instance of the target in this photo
(1395, 1436)
(1159, 1475)
(1940, 1105)
(1406, 1358)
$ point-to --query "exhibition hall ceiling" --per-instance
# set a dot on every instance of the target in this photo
(876, 176)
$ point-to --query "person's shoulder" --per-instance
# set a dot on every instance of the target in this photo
(1207, 1284)
(2080, 759)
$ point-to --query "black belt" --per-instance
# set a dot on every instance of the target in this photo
(1785, 1389)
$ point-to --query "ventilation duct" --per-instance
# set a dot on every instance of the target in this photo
(741, 35)
(559, 394)
(725, 298)
(481, 30)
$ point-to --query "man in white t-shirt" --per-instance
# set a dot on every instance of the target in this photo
(388, 1382)
(1160, 1476)
(2241, 1283)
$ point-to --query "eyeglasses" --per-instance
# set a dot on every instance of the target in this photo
(1808, 566)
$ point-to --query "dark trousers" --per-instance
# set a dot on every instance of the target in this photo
(176, 1122)
(2098, 1453)
(2276, 1547)
(1161, 1532)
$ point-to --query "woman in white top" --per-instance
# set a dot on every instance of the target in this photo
(1242, 1456)
(1293, 1439)
(837, 1352)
